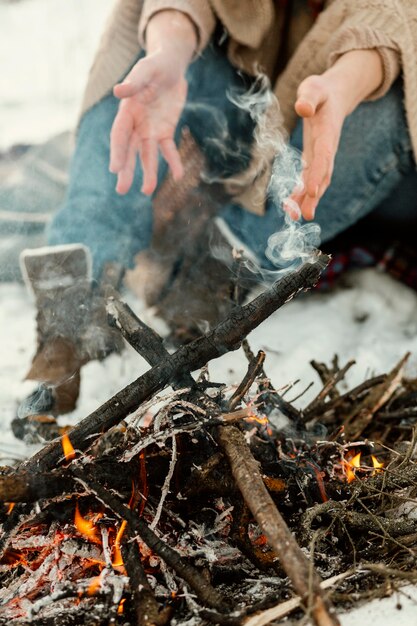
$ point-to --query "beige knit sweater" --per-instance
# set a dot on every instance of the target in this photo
(390, 26)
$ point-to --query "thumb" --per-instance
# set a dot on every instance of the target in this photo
(136, 81)
(310, 95)
(126, 89)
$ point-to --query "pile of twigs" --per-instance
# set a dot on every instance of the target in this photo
(225, 506)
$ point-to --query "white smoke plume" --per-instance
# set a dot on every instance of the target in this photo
(296, 242)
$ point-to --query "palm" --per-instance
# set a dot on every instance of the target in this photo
(158, 118)
(144, 125)
(322, 125)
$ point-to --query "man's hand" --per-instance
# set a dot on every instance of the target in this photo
(324, 102)
(152, 99)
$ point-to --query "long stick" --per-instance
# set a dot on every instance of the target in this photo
(225, 337)
(303, 576)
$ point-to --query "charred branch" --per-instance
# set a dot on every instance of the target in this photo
(31, 487)
(147, 610)
(225, 337)
(196, 581)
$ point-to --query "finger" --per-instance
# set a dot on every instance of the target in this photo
(292, 208)
(148, 150)
(326, 182)
(120, 136)
(308, 207)
(320, 169)
(291, 205)
(172, 157)
(124, 90)
(309, 96)
(146, 92)
(126, 175)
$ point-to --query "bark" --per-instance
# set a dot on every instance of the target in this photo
(225, 337)
(300, 570)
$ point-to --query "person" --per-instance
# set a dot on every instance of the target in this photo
(344, 74)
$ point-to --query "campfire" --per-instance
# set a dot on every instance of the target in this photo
(181, 501)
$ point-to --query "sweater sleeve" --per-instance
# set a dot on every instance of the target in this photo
(199, 11)
(365, 38)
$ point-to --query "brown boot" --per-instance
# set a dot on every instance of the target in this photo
(71, 326)
(57, 365)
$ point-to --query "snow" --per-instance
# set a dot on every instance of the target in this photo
(46, 48)
(373, 321)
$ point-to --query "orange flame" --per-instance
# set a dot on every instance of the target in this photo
(85, 527)
(260, 420)
(263, 421)
(10, 507)
(351, 466)
(117, 554)
(376, 464)
(121, 607)
(67, 447)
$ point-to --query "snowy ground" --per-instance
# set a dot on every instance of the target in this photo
(45, 50)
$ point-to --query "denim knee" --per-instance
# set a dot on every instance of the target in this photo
(114, 227)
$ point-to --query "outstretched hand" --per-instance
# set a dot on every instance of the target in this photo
(324, 102)
(152, 98)
(323, 116)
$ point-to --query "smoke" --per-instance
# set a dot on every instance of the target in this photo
(39, 402)
(296, 241)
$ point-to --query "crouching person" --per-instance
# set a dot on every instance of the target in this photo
(344, 74)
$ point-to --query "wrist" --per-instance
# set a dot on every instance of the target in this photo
(174, 33)
(354, 77)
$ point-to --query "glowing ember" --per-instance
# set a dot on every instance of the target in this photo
(120, 608)
(85, 526)
(94, 586)
(10, 507)
(261, 541)
(67, 446)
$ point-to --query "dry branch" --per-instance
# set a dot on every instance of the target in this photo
(329, 387)
(361, 415)
(246, 473)
(284, 608)
(254, 369)
(225, 337)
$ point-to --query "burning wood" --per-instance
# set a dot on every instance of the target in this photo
(209, 508)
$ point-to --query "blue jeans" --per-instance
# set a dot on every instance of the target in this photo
(374, 159)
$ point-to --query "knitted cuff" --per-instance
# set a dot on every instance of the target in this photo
(365, 38)
(198, 11)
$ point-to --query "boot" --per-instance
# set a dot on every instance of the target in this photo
(215, 276)
(72, 329)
